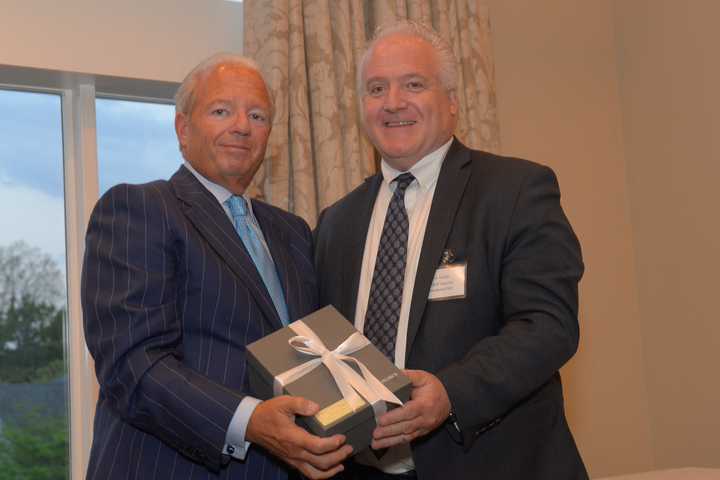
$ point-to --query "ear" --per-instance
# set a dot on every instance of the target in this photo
(454, 106)
(182, 127)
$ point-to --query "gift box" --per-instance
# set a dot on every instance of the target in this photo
(323, 358)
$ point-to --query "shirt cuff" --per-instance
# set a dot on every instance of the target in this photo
(235, 444)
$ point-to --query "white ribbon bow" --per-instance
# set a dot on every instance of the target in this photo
(347, 379)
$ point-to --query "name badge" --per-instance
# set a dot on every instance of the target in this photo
(449, 282)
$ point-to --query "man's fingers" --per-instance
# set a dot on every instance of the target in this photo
(321, 466)
(417, 377)
(323, 452)
(328, 460)
(296, 445)
(299, 406)
(388, 442)
(401, 428)
(319, 445)
(314, 473)
(271, 425)
(405, 413)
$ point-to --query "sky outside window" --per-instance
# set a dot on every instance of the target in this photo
(33, 297)
(32, 208)
(136, 142)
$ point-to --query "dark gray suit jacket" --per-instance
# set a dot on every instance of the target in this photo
(170, 300)
(497, 351)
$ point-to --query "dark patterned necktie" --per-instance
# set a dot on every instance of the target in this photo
(386, 290)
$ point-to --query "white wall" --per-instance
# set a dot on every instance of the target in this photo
(622, 99)
(559, 104)
(148, 39)
(670, 79)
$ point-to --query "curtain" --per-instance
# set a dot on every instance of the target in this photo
(308, 52)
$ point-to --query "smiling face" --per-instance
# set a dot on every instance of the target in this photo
(225, 134)
(407, 112)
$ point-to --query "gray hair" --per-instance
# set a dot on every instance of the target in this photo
(447, 63)
(185, 95)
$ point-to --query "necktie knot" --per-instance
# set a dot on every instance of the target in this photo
(237, 206)
(252, 237)
(403, 182)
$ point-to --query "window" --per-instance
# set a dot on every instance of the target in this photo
(33, 296)
(136, 142)
(49, 183)
(111, 46)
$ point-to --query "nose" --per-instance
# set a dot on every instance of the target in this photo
(241, 124)
(394, 100)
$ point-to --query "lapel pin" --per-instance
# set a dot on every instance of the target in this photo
(448, 256)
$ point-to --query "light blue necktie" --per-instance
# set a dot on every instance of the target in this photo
(263, 261)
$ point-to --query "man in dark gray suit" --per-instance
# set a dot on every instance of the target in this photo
(179, 276)
(463, 268)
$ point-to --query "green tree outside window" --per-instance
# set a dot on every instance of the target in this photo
(33, 379)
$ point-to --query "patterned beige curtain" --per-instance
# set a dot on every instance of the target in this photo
(466, 25)
(308, 50)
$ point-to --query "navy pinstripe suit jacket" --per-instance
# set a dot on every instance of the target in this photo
(170, 299)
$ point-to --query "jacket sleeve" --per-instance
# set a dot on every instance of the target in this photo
(133, 330)
(539, 271)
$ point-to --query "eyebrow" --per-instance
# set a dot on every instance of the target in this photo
(415, 75)
(375, 79)
(402, 77)
(225, 101)
(219, 101)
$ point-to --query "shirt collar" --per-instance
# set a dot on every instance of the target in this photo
(221, 193)
(426, 171)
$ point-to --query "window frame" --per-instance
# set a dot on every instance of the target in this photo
(78, 93)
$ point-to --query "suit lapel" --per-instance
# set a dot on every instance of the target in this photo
(277, 241)
(451, 185)
(210, 220)
(356, 229)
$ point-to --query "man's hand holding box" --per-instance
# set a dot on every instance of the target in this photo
(324, 359)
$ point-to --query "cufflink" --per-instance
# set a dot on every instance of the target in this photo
(230, 450)
(453, 428)
(452, 420)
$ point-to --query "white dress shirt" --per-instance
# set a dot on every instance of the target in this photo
(418, 200)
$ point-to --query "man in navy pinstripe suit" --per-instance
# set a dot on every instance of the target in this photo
(171, 297)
